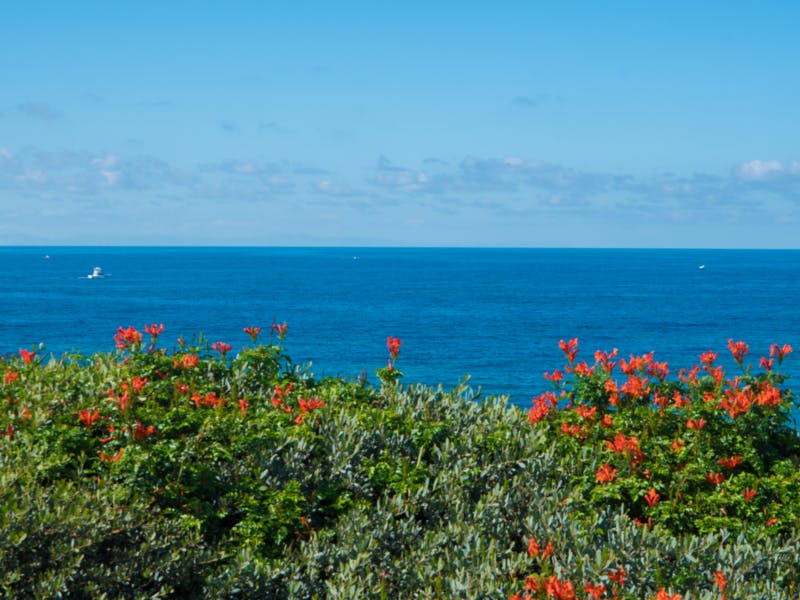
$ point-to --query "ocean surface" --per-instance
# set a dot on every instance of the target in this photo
(494, 314)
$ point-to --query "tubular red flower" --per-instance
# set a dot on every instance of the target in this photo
(393, 346)
(154, 329)
(606, 474)
(11, 377)
(252, 332)
(779, 351)
(222, 347)
(280, 329)
(126, 338)
(87, 417)
(570, 349)
(739, 350)
(652, 497)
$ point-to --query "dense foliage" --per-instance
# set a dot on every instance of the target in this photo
(139, 473)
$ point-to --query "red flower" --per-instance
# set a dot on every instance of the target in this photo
(561, 590)
(749, 494)
(88, 417)
(662, 594)
(715, 478)
(588, 414)
(138, 383)
(243, 404)
(129, 337)
(720, 581)
(310, 404)
(779, 351)
(739, 350)
(154, 330)
(730, 462)
(604, 358)
(189, 361)
(393, 346)
(531, 583)
(618, 576)
(142, 433)
(555, 377)
(613, 392)
(570, 349)
(280, 329)
(11, 377)
(606, 474)
(112, 458)
(635, 387)
(548, 550)
(27, 355)
(652, 497)
(533, 547)
(623, 445)
(595, 591)
(253, 333)
(222, 347)
(696, 425)
(708, 357)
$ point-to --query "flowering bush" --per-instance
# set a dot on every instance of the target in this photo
(209, 473)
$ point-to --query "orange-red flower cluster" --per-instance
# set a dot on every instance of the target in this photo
(142, 433)
(87, 417)
(652, 497)
(210, 399)
(731, 462)
(739, 350)
(779, 351)
(129, 337)
(280, 329)
(662, 594)
(187, 361)
(10, 377)
(222, 347)
(112, 458)
(626, 445)
(606, 474)
(542, 405)
(393, 346)
(27, 355)
(570, 349)
(154, 330)
(253, 333)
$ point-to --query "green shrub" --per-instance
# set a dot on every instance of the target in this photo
(139, 473)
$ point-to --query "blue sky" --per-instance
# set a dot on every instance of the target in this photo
(621, 124)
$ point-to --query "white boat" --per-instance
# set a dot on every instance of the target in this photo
(97, 273)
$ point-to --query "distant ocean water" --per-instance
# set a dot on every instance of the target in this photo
(495, 314)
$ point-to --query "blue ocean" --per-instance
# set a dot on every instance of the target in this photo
(496, 315)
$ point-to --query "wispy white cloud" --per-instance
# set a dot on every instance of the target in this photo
(332, 187)
(764, 170)
(511, 189)
(520, 184)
